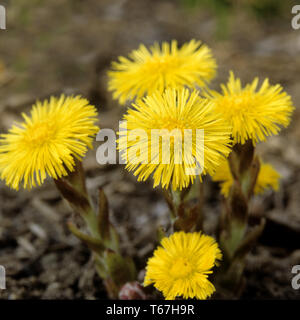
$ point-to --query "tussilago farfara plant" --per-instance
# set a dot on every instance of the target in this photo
(250, 114)
(174, 136)
(254, 113)
(52, 141)
(169, 121)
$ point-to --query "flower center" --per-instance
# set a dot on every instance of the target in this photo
(236, 104)
(181, 268)
(170, 124)
(163, 64)
(39, 133)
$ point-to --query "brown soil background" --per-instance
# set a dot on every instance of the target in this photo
(58, 46)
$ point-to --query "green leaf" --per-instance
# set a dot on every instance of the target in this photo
(79, 202)
(94, 244)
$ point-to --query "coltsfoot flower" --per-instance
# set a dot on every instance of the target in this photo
(181, 265)
(254, 113)
(268, 178)
(148, 70)
(47, 142)
(178, 118)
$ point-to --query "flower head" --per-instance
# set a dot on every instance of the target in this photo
(148, 70)
(254, 113)
(268, 178)
(174, 136)
(181, 265)
(56, 132)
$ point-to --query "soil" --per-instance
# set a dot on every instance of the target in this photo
(67, 46)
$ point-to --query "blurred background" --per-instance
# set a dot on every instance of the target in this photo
(67, 46)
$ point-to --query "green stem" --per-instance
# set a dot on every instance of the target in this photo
(236, 239)
(102, 239)
(91, 221)
(186, 207)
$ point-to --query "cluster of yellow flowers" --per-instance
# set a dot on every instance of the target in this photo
(235, 115)
(163, 84)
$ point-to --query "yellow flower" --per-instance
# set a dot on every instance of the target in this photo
(254, 113)
(181, 265)
(56, 132)
(268, 178)
(178, 118)
(146, 71)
